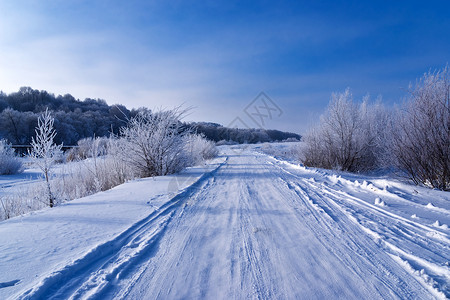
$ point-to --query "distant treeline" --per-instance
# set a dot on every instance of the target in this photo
(217, 132)
(76, 119)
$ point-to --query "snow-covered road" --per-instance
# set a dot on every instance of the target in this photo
(255, 231)
(256, 227)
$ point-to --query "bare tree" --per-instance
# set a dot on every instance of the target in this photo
(44, 151)
(421, 134)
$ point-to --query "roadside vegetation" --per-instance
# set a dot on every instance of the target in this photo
(353, 136)
(151, 144)
(414, 138)
(9, 163)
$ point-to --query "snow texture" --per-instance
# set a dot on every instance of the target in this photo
(247, 225)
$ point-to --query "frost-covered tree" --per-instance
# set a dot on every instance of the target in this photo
(421, 132)
(153, 143)
(346, 137)
(44, 151)
(9, 163)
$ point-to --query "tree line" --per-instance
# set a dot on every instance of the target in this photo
(76, 120)
(218, 133)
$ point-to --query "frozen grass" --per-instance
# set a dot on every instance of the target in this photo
(69, 181)
(100, 171)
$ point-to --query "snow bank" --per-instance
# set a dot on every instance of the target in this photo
(65, 235)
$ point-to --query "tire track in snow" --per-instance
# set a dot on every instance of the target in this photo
(251, 263)
(353, 250)
(176, 251)
(249, 231)
(386, 229)
(92, 275)
(390, 230)
(276, 247)
(345, 242)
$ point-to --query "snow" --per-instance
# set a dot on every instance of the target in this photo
(8, 183)
(63, 236)
(379, 202)
(246, 225)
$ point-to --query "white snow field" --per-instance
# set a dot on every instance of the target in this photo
(246, 226)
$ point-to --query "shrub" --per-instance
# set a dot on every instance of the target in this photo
(199, 148)
(346, 137)
(153, 143)
(9, 163)
(87, 147)
(421, 132)
(103, 170)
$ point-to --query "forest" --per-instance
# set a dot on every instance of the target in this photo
(76, 120)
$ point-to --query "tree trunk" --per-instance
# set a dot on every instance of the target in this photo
(49, 191)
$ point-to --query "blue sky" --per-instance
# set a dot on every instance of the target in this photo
(218, 55)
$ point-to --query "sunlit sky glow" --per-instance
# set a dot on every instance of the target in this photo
(218, 55)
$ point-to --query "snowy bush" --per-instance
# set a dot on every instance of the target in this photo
(347, 136)
(103, 170)
(421, 132)
(156, 144)
(118, 168)
(9, 163)
(199, 148)
(87, 147)
(153, 143)
(85, 178)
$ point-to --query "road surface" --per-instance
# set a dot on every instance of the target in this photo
(251, 229)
